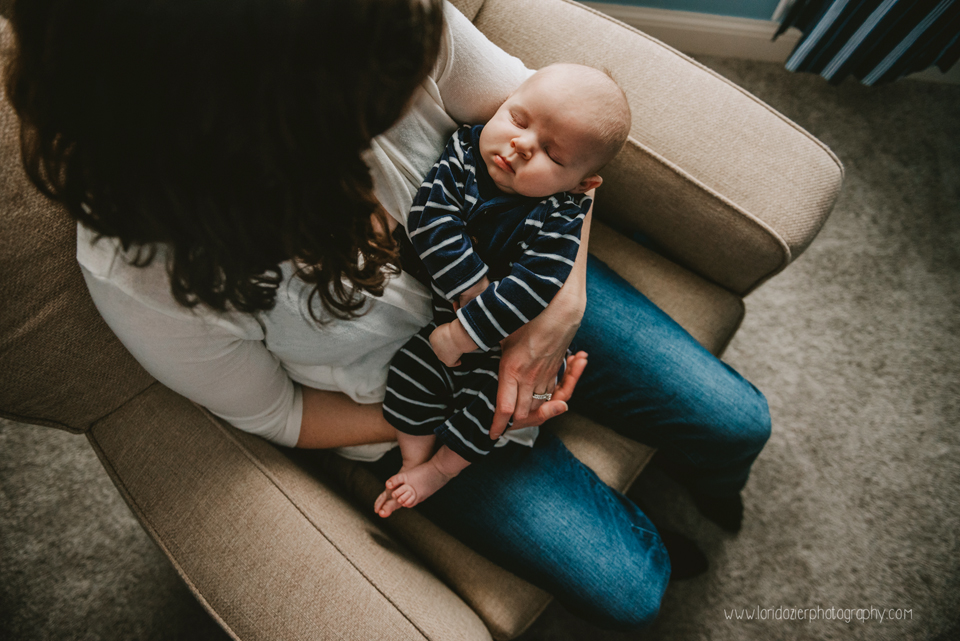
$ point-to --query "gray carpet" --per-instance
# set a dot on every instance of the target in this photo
(852, 505)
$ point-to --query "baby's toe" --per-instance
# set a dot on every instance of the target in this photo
(389, 507)
(381, 500)
(406, 496)
(396, 481)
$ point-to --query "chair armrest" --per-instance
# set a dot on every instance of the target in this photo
(267, 547)
(724, 185)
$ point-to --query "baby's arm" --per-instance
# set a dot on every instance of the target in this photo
(535, 277)
(473, 292)
(450, 341)
(436, 224)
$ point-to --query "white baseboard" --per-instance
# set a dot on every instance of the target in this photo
(726, 36)
(703, 33)
(933, 74)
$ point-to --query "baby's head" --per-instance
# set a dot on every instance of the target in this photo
(556, 131)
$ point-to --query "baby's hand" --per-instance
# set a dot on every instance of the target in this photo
(474, 291)
(441, 339)
(450, 341)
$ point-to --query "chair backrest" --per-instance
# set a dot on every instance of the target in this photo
(60, 364)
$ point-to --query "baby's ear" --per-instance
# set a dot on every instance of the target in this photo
(588, 183)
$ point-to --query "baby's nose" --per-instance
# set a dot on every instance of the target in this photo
(523, 147)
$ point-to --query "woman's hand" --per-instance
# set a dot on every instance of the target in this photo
(531, 359)
(532, 354)
(541, 411)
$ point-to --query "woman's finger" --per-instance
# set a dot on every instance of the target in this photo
(551, 409)
(576, 363)
(506, 401)
(522, 408)
(535, 406)
(536, 403)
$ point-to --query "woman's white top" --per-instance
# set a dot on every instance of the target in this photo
(248, 368)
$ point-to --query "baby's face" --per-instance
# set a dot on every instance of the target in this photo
(541, 142)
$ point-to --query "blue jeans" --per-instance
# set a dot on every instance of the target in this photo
(546, 517)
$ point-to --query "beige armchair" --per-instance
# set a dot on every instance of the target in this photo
(282, 545)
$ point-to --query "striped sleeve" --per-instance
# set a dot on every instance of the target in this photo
(436, 224)
(534, 279)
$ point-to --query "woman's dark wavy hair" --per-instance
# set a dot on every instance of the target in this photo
(229, 130)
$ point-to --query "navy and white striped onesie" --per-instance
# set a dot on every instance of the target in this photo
(460, 229)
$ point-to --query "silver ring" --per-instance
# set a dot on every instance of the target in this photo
(543, 397)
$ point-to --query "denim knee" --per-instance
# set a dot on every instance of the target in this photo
(628, 598)
(635, 615)
(755, 426)
(749, 430)
(764, 424)
(736, 428)
(632, 610)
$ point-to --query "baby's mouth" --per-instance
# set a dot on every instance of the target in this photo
(503, 163)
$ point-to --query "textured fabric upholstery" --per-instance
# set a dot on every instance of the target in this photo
(468, 8)
(505, 603)
(266, 546)
(722, 182)
(62, 366)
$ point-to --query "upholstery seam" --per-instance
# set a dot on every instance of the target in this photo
(40, 422)
(53, 424)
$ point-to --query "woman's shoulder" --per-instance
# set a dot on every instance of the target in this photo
(105, 259)
(456, 28)
(146, 287)
(473, 74)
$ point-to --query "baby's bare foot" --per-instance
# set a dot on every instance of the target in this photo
(386, 504)
(415, 450)
(412, 486)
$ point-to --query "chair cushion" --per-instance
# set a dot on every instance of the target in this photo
(266, 544)
(507, 604)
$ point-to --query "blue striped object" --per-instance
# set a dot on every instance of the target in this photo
(877, 41)
(463, 228)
